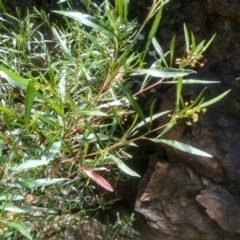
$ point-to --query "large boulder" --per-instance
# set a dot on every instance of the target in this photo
(186, 196)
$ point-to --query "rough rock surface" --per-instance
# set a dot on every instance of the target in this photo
(221, 206)
(186, 196)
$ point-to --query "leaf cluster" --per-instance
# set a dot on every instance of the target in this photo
(65, 101)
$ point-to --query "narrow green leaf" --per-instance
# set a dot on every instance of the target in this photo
(22, 83)
(192, 81)
(94, 136)
(186, 36)
(102, 137)
(133, 103)
(87, 20)
(23, 209)
(159, 51)
(25, 182)
(13, 78)
(153, 30)
(147, 120)
(183, 147)
(178, 92)
(111, 17)
(33, 184)
(167, 128)
(118, 8)
(122, 102)
(193, 42)
(11, 197)
(116, 121)
(199, 47)
(165, 73)
(92, 112)
(49, 181)
(172, 48)
(29, 99)
(151, 112)
(125, 10)
(11, 113)
(198, 100)
(19, 226)
(130, 132)
(93, 40)
(209, 42)
(54, 149)
(62, 43)
(62, 88)
(216, 99)
(56, 107)
(123, 166)
(29, 164)
(1, 146)
(6, 120)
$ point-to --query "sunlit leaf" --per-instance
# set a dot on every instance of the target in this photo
(11, 113)
(62, 43)
(100, 136)
(32, 184)
(62, 87)
(154, 27)
(165, 72)
(54, 149)
(13, 78)
(159, 51)
(148, 119)
(19, 226)
(29, 164)
(23, 209)
(122, 102)
(182, 146)
(25, 182)
(22, 83)
(11, 197)
(86, 20)
(192, 81)
(123, 166)
(92, 112)
(93, 40)
(48, 181)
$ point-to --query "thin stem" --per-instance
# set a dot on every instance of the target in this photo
(124, 143)
(145, 89)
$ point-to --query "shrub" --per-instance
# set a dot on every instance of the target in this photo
(65, 99)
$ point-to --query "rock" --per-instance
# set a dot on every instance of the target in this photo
(172, 199)
(170, 202)
(222, 207)
(174, 176)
